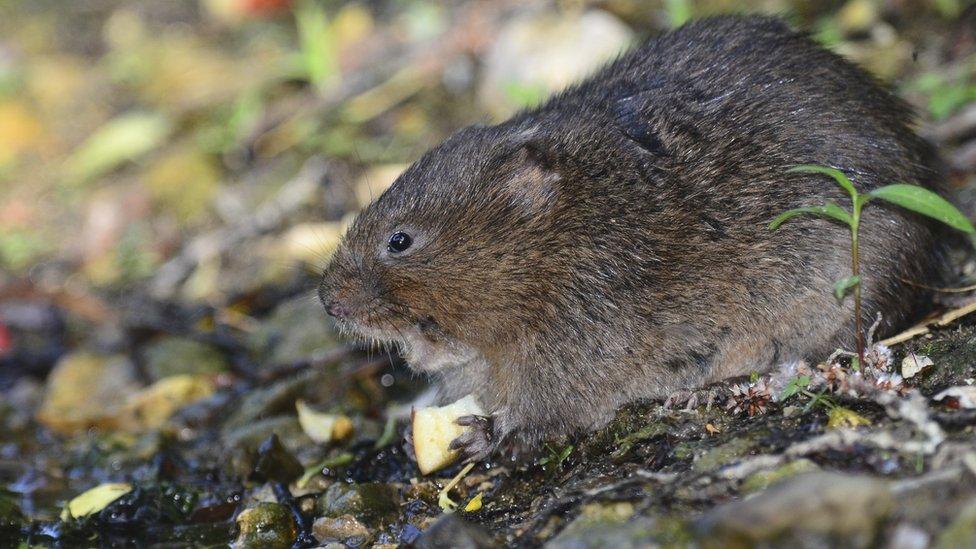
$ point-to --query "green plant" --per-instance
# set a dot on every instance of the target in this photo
(556, 457)
(911, 197)
(317, 55)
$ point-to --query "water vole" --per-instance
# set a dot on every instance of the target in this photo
(613, 243)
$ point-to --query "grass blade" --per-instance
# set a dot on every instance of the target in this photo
(838, 175)
(925, 202)
(831, 211)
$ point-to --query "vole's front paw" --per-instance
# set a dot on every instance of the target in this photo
(478, 441)
(408, 445)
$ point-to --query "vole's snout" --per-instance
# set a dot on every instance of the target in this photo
(336, 309)
(334, 306)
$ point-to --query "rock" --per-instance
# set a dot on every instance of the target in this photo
(826, 505)
(605, 525)
(451, 531)
(249, 437)
(275, 463)
(263, 402)
(267, 525)
(344, 529)
(171, 356)
(764, 479)
(86, 390)
(961, 532)
(11, 517)
(369, 502)
(539, 52)
(722, 455)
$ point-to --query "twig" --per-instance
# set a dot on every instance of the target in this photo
(925, 327)
(284, 497)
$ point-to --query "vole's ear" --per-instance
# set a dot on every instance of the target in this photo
(529, 176)
(655, 122)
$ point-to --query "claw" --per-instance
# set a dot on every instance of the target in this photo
(689, 400)
(477, 442)
(408, 444)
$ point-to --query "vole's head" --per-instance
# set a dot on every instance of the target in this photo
(455, 248)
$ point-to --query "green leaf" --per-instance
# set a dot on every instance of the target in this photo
(679, 11)
(794, 386)
(838, 175)
(318, 50)
(121, 139)
(844, 284)
(925, 202)
(830, 210)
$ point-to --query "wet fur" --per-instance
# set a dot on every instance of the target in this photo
(612, 244)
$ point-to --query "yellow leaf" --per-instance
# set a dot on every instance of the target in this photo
(151, 407)
(94, 500)
(474, 505)
(321, 427)
(841, 417)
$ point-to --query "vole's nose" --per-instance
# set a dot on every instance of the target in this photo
(337, 309)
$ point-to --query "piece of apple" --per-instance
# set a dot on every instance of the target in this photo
(433, 430)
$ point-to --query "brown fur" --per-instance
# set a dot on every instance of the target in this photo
(612, 244)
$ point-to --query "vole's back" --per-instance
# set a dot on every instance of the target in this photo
(717, 112)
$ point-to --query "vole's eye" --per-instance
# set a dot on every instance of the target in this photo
(399, 241)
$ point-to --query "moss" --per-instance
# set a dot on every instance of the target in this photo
(962, 531)
(763, 479)
(720, 455)
(267, 525)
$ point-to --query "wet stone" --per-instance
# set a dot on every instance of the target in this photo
(823, 506)
(605, 525)
(345, 529)
(764, 479)
(370, 502)
(451, 531)
(268, 525)
(722, 455)
(276, 463)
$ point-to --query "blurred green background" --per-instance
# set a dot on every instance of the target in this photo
(127, 129)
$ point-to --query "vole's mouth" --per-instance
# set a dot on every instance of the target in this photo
(423, 344)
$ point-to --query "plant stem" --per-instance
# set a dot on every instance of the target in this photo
(856, 271)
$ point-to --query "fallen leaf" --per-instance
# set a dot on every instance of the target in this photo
(475, 504)
(121, 139)
(841, 417)
(94, 500)
(86, 390)
(151, 407)
(913, 364)
(322, 427)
